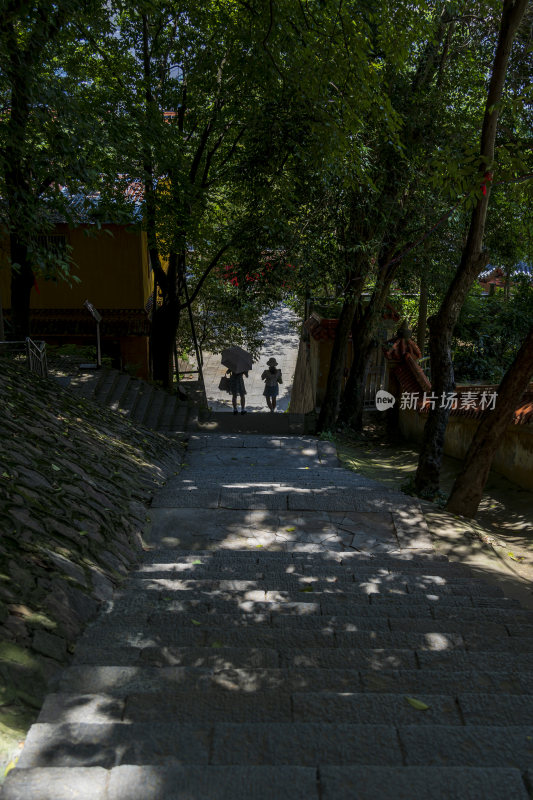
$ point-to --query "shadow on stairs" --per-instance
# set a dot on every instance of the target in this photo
(251, 422)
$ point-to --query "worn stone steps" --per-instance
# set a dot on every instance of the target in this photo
(133, 398)
(120, 681)
(168, 782)
(210, 703)
(294, 638)
(265, 674)
(254, 423)
(318, 657)
(333, 622)
(208, 741)
(153, 782)
(395, 585)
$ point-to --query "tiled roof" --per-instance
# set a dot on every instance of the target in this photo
(78, 322)
(492, 271)
(323, 328)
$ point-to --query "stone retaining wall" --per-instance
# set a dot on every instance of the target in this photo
(75, 480)
(514, 457)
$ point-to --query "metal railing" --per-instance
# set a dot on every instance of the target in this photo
(35, 353)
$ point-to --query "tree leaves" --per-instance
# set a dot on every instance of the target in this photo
(418, 704)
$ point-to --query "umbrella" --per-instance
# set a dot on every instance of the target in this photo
(236, 359)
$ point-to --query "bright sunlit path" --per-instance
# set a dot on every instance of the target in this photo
(280, 341)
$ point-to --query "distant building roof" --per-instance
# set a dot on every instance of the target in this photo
(323, 328)
(496, 274)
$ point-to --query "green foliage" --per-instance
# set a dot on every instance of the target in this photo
(225, 315)
(490, 331)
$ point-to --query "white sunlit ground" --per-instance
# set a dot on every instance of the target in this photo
(281, 342)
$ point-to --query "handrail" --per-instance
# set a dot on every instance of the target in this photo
(37, 361)
(35, 354)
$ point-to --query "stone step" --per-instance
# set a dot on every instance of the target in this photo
(144, 398)
(336, 559)
(108, 744)
(216, 441)
(359, 609)
(281, 498)
(479, 679)
(154, 782)
(332, 622)
(85, 383)
(155, 408)
(106, 385)
(144, 633)
(115, 397)
(179, 418)
(284, 639)
(463, 709)
(373, 744)
(121, 681)
(257, 422)
(208, 657)
(168, 412)
(199, 566)
(130, 396)
(313, 603)
(369, 585)
(323, 658)
(422, 783)
(332, 598)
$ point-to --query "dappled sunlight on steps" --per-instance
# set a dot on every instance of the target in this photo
(290, 633)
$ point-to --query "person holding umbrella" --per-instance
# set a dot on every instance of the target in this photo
(236, 385)
(238, 362)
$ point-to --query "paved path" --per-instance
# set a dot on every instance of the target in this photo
(280, 340)
(291, 634)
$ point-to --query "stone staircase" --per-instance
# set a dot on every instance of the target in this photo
(150, 405)
(257, 422)
(138, 400)
(291, 634)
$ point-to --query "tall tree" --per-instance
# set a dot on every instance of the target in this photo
(473, 260)
(218, 112)
(410, 97)
(35, 130)
(468, 487)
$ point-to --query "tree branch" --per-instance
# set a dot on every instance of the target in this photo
(226, 158)
(214, 261)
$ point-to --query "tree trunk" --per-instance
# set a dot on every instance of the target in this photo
(351, 412)
(469, 484)
(473, 260)
(330, 404)
(430, 459)
(165, 322)
(422, 314)
(164, 327)
(363, 336)
(2, 329)
(22, 280)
